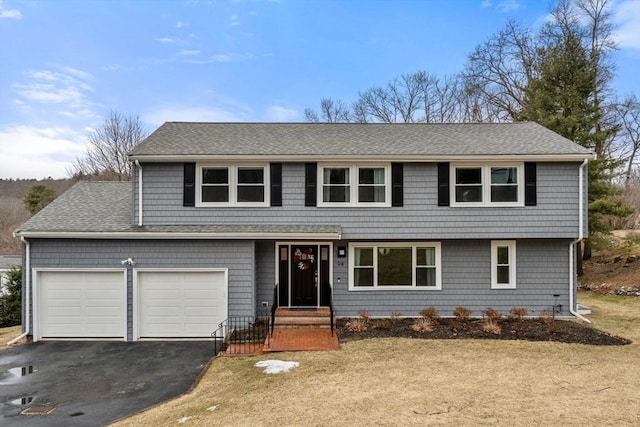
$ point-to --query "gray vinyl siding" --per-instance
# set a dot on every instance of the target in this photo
(238, 256)
(542, 270)
(555, 216)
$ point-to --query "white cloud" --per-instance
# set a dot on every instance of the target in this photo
(627, 18)
(9, 13)
(234, 20)
(165, 40)
(188, 52)
(62, 85)
(32, 152)
(180, 24)
(485, 3)
(508, 5)
(277, 113)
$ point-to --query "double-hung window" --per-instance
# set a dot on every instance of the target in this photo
(503, 264)
(488, 185)
(395, 266)
(232, 185)
(354, 185)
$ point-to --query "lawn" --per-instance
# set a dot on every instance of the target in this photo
(396, 381)
(7, 334)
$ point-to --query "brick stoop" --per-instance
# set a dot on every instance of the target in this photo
(302, 330)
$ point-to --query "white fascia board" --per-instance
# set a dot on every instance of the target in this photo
(413, 158)
(175, 235)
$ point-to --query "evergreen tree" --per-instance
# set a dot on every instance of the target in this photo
(38, 197)
(11, 300)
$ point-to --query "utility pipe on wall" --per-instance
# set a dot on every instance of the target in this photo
(572, 276)
(139, 166)
(26, 285)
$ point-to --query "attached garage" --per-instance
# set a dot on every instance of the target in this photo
(179, 304)
(81, 304)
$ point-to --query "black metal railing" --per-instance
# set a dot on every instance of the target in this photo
(242, 334)
(274, 307)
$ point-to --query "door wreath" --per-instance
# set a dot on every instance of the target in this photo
(303, 260)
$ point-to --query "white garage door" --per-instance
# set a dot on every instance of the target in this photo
(81, 304)
(181, 304)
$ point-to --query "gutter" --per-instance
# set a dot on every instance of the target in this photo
(572, 276)
(25, 279)
(139, 193)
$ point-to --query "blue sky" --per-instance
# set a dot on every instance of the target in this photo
(64, 64)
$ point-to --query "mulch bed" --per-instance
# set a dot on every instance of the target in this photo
(565, 331)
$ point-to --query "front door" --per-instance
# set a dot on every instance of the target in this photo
(304, 275)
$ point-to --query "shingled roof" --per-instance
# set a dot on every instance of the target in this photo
(103, 209)
(175, 140)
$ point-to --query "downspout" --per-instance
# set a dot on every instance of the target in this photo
(578, 240)
(25, 279)
(139, 166)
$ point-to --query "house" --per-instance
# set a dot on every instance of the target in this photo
(220, 219)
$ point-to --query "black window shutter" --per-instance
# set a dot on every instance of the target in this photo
(530, 186)
(397, 189)
(275, 175)
(310, 179)
(443, 184)
(189, 193)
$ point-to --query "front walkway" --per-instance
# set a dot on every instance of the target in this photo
(305, 339)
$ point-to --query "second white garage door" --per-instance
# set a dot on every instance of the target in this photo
(182, 304)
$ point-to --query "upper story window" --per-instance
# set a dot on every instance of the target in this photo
(232, 185)
(354, 185)
(487, 185)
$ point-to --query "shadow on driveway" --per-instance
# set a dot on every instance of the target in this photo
(94, 383)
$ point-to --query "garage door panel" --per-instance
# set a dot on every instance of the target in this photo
(180, 304)
(81, 304)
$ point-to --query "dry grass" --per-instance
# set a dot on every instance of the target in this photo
(423, 382)
(7, 334)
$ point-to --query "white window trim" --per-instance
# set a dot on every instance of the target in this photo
(486, 184)
(233, 185)
(511, 244)
(353, 185)
(413, 246)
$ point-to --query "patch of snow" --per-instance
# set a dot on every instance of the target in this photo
(276, 366)
(184, 420)
(212, 408)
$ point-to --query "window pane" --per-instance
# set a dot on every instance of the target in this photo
(371, 194)
(503, 274)
(504, 175)
(251, 193)
(215, 176)
(469, 193)
(336, 176)
(425, 276)
(504, 193)
(363, 277)
(468, 175)
(426, 256)
(215, 194)
(335, 194)
(371, 176)
(394, 267)
(503, 255)
(250, 175)
(364, 256)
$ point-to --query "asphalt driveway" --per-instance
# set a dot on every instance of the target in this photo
(94, 383)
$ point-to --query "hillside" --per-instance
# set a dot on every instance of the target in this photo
(12, 209)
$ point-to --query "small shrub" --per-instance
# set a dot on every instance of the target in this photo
(491, 326)
(432, 314)
(492, 314)
(395, 316)
(462, 314)
(382, 324)
(422, 325)
(518, 313)
(364, 315)
(545, 317)
(357, 325)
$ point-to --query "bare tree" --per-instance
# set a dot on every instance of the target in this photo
(106, 156)
(330, 112)
(627, 116)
